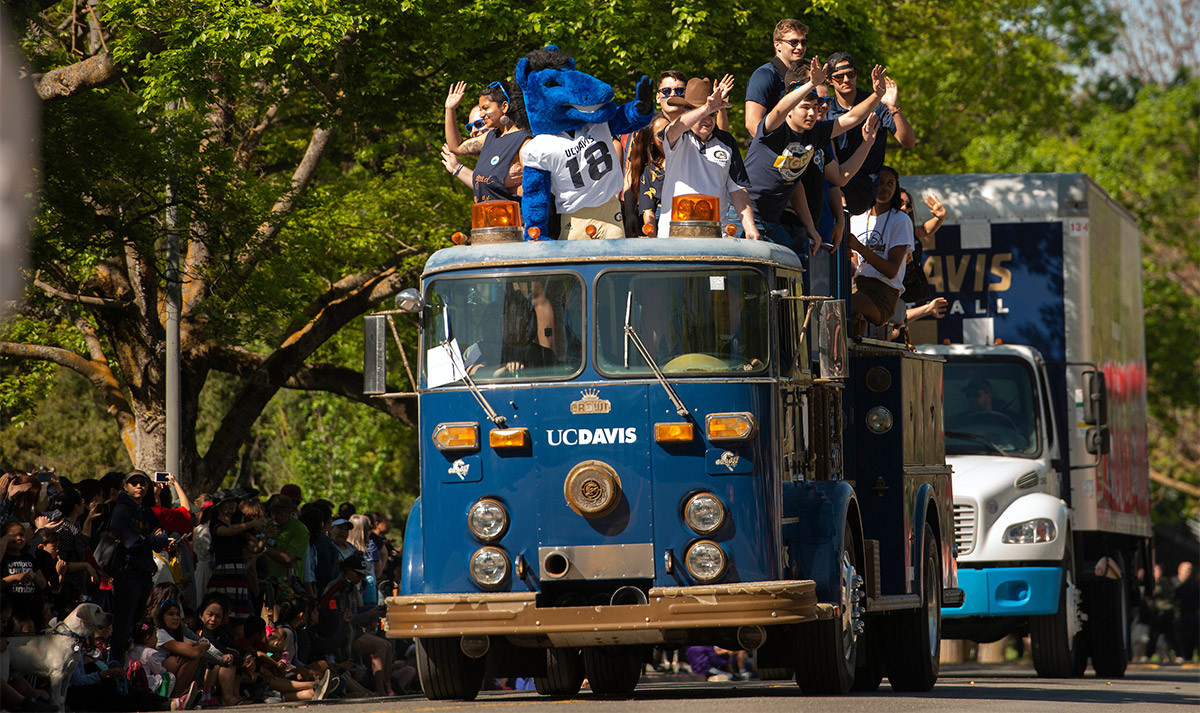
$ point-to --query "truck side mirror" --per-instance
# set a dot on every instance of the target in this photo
(375, 353)
(1095, 399)
(409, 301)
(1097, 440)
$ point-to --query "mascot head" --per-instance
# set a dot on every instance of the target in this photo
(559, 97)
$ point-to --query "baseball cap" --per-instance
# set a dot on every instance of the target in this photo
(292, 491)
(341, 521)
(137, 474)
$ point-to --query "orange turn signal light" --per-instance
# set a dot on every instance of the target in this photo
(535, 233)
(730, 426)
(509, 438)
(731, 230)
(458, 238)
(590, 230)
(693, 206)
(495, 214)
(674, 432)
(648, 229)
(456, 436)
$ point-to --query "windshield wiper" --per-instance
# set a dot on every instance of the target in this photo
(483, 402)
(632, 335)
(976, 437)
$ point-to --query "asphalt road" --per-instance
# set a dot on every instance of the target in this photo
(1003, 689)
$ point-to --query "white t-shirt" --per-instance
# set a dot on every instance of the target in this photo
(692, 167)
(585, 171)
(880, 234)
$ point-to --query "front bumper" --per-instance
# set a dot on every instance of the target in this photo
(516, 614)
(1008, 591)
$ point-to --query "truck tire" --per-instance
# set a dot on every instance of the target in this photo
(613, 670)
(914, 638)
(1056, 637)
(564, 673)
(827, 650)
(869, 672)
(1107, 627)
(446, 672)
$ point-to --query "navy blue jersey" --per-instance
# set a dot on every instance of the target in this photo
(766, 86)
(495, 157)
(848, 143)
(778, 158)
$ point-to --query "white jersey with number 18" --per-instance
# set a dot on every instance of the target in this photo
(584, 169)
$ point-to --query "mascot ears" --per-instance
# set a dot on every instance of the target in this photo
(522, 73)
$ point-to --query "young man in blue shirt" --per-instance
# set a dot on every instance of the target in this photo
(843, 75)
(766, 86)
(786, 141)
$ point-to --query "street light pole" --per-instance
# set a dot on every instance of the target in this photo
(174, 298)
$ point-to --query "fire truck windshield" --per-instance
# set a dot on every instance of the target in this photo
(691, 321)
(526, 326)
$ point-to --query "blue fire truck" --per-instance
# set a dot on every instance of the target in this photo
(637, 443)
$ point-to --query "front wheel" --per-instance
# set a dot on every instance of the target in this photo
(1055, 637)
(613, 670)
(914, 638)
(827, 650)
(564, 673)
(446, 672)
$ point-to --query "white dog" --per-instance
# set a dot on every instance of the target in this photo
(55, 654)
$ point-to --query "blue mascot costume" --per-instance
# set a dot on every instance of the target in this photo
(571, 159)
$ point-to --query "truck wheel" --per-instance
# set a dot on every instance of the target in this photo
(914, 638)
(780, 673)
(613, 670)
(1108, 627)
(827, 650)
(446, 672)
(564, 673)
(869, 672)
(1055, 637)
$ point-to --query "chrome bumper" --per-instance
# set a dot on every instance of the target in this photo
(515, 614)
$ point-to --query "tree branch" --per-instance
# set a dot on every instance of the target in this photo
(53, 291)
(1174, 483)
(250, 141)
(75, 78)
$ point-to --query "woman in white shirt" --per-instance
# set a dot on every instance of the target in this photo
(883, 238)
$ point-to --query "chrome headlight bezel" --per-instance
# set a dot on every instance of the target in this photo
(692, 512)
(490, 567)
(699, 560)
(487, 531)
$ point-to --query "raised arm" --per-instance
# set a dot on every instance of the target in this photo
(453, 98)
(859, 111)
(904, 131)
(451, 163)
(718, 100)
(839, 174)
(816, 76)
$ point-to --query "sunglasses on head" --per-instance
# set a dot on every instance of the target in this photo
(500, 86)
(668, 91)
(795, 43)
(474, 125)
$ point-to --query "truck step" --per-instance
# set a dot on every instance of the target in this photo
(870, 573)
(953, 597)
(893, 602)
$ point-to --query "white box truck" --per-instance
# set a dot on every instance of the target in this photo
(1045, 411)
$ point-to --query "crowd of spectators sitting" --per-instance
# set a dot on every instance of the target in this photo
(236, 596)
(811, 177)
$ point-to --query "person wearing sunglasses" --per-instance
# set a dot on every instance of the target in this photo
(497, 174)
(843, 77)
(766, 86)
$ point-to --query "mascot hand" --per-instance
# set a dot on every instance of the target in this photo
(645, 96)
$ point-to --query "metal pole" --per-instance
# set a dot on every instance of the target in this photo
(174, 299)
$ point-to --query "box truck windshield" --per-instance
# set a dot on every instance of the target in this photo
(991, 408)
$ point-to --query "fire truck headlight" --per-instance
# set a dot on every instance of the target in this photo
(705, 561)
(879, 420)
(704, 513)
(1030, 532)
(727, 427)
(489, 566)
(488, 520)
(456, 436)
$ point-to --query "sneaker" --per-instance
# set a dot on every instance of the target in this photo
(719, 677)
(322, 687)
(273, 699)
(337, 688)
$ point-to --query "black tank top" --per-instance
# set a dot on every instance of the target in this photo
(495, 157)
